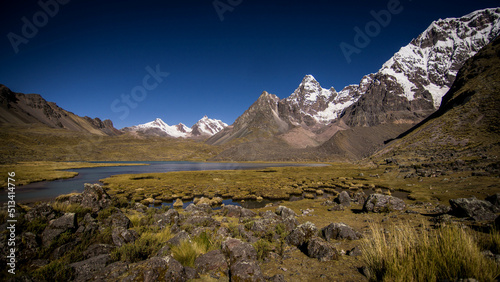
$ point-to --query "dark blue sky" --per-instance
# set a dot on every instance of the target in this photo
(89, 56)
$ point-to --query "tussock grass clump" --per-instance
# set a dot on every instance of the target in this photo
(64, 207)
(187, 251)
(401, 253)
(143, 248)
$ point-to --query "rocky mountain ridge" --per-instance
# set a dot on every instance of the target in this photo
(407, 89)
(18, 108)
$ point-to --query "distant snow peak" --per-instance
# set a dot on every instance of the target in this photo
(204, 127)
(207, 126)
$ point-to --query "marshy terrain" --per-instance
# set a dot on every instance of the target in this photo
(343, 223)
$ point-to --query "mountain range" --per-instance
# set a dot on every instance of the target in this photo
(355, 121)
(314, 123)
(205, 127)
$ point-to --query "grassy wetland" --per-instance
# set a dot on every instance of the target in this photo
(281, 183)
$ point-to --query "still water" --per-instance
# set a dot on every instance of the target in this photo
(48, 190)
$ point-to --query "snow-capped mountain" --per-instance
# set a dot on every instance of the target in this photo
(431, 61)
(410, 85)
(207, 126)
(423, 70)
(204, 127)
(407, 88)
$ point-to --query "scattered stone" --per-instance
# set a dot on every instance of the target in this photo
(473, 208)
(339, 231)
(359, 197)
(237, 250)
(320, 249)
(140, 207)
(383, 203)
(122, 236)
(246, 271)
(111, 272)
(231, 210)
(277, 278)
(85, 270)
(212, 262)
(343, 199)
(42, 210)
(67, 221)
(178, 238)
(157, 269)
(495, 201)
(301, 234)
(441, 209)
(56, 227)
(336, 207)
(117, 219)
(285, 212)
(98, 249)
(95, 197)
(356, 251)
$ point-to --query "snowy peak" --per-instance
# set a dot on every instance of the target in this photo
(208, 127)
(412, 83)
(159, 127)
(309, 91)
(312, 104)
(204, 127)
(427, 66)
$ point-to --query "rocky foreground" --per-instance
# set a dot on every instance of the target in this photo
(98, 241)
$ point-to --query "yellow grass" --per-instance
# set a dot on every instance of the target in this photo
(402, 253)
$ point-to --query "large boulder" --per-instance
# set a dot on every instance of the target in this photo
(85, 270)
(301, 234)
(95, 197)
(156, 269)
(122, 236)
(237, 250)
(237, 211)
(495, 201)
(320, 249)
(213, 262)
(242, 260)
(67, 221)
(247, 271)
(43, 210)
(179, 238)
(56, 227)
(473, 208)
(343, 199)
(117, 219)
(339, 231)
(383, 203)
(285, 212)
